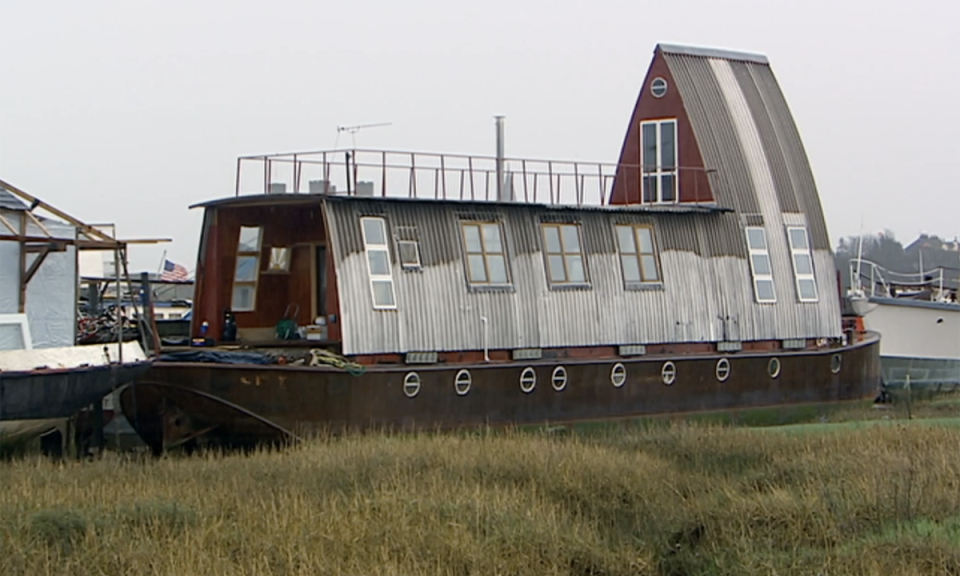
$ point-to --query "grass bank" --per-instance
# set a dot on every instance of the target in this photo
(673, 499)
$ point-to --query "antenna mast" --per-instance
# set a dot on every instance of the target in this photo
(358, 127)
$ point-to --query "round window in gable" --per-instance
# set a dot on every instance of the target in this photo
(723, 369)
(528, 380)
(658, 87)
(411, 384)
(668, 373)
(773, 367)
(462, 382)
(559, 378)
(618, 375)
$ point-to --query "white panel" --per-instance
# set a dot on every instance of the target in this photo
(51, 303)
(916, 332)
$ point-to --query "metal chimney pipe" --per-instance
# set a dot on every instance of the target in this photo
(499, 122)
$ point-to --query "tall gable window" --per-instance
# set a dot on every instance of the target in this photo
(485, 253)
(802, 264)
(638, 255)
(378, 262)
(246, 273)
(760, 267)
(564, 254)
(659, 149)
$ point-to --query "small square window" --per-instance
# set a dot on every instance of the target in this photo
(409, 252)
(279, 259)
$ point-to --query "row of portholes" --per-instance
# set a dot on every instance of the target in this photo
(463, 381)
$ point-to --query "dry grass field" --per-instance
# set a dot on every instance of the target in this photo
(668, 499)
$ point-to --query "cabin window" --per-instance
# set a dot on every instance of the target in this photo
(802, 264)
(659, 148)
(409, 254)
(760, 267)
(486, 260)
(279, 259)
(638, 255)
(408, 247)
(247, 270)
(563, 252)
(378, 262)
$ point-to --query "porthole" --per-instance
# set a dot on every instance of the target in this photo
(559, 378)
(528, 380)
(723, 369)
(618, 375)
(411, 384)
(836, 362)
(668, 373)
(773, 368)
(462, 382)
(658, 87)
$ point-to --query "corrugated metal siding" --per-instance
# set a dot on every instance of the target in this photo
(745, 129)
(798, 164)
(775, 159)
(438, 311)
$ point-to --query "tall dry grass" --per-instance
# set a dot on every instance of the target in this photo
(667, 500)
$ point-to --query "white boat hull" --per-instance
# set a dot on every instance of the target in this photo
(918, 338)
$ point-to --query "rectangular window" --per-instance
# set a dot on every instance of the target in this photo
(660, 179)
(760, 267)
(802, 264)
(563, 252)
(486, 256)
(378, 262)
(638, 255)
(408, 247)
(247, 270)
(279, 259)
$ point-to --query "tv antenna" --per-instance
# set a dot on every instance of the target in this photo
(356, 128)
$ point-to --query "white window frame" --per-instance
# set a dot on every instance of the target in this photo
(416, 264)
(797, 276)
(659, 172)
(751, 252)
(20, 322)
(373, 247)
(255, 283)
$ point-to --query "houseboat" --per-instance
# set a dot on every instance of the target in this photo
(405, 290)
(918, 317)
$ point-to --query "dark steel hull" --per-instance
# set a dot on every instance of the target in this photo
(231, 404)
(60, 393)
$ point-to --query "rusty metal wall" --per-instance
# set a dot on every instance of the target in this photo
(704, 298)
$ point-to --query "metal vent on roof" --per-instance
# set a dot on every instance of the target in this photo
(752, 219)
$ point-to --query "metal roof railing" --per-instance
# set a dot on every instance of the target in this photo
(424, 175)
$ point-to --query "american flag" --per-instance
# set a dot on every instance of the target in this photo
(173, 272)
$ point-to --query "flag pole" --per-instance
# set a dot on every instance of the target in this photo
(162, 260)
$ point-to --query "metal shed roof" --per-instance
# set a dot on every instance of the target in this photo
(10, 202)
(713, 53)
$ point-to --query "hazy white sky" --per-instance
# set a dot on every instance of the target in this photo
(129, 111)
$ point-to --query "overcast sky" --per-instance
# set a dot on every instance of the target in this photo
(129, 111)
